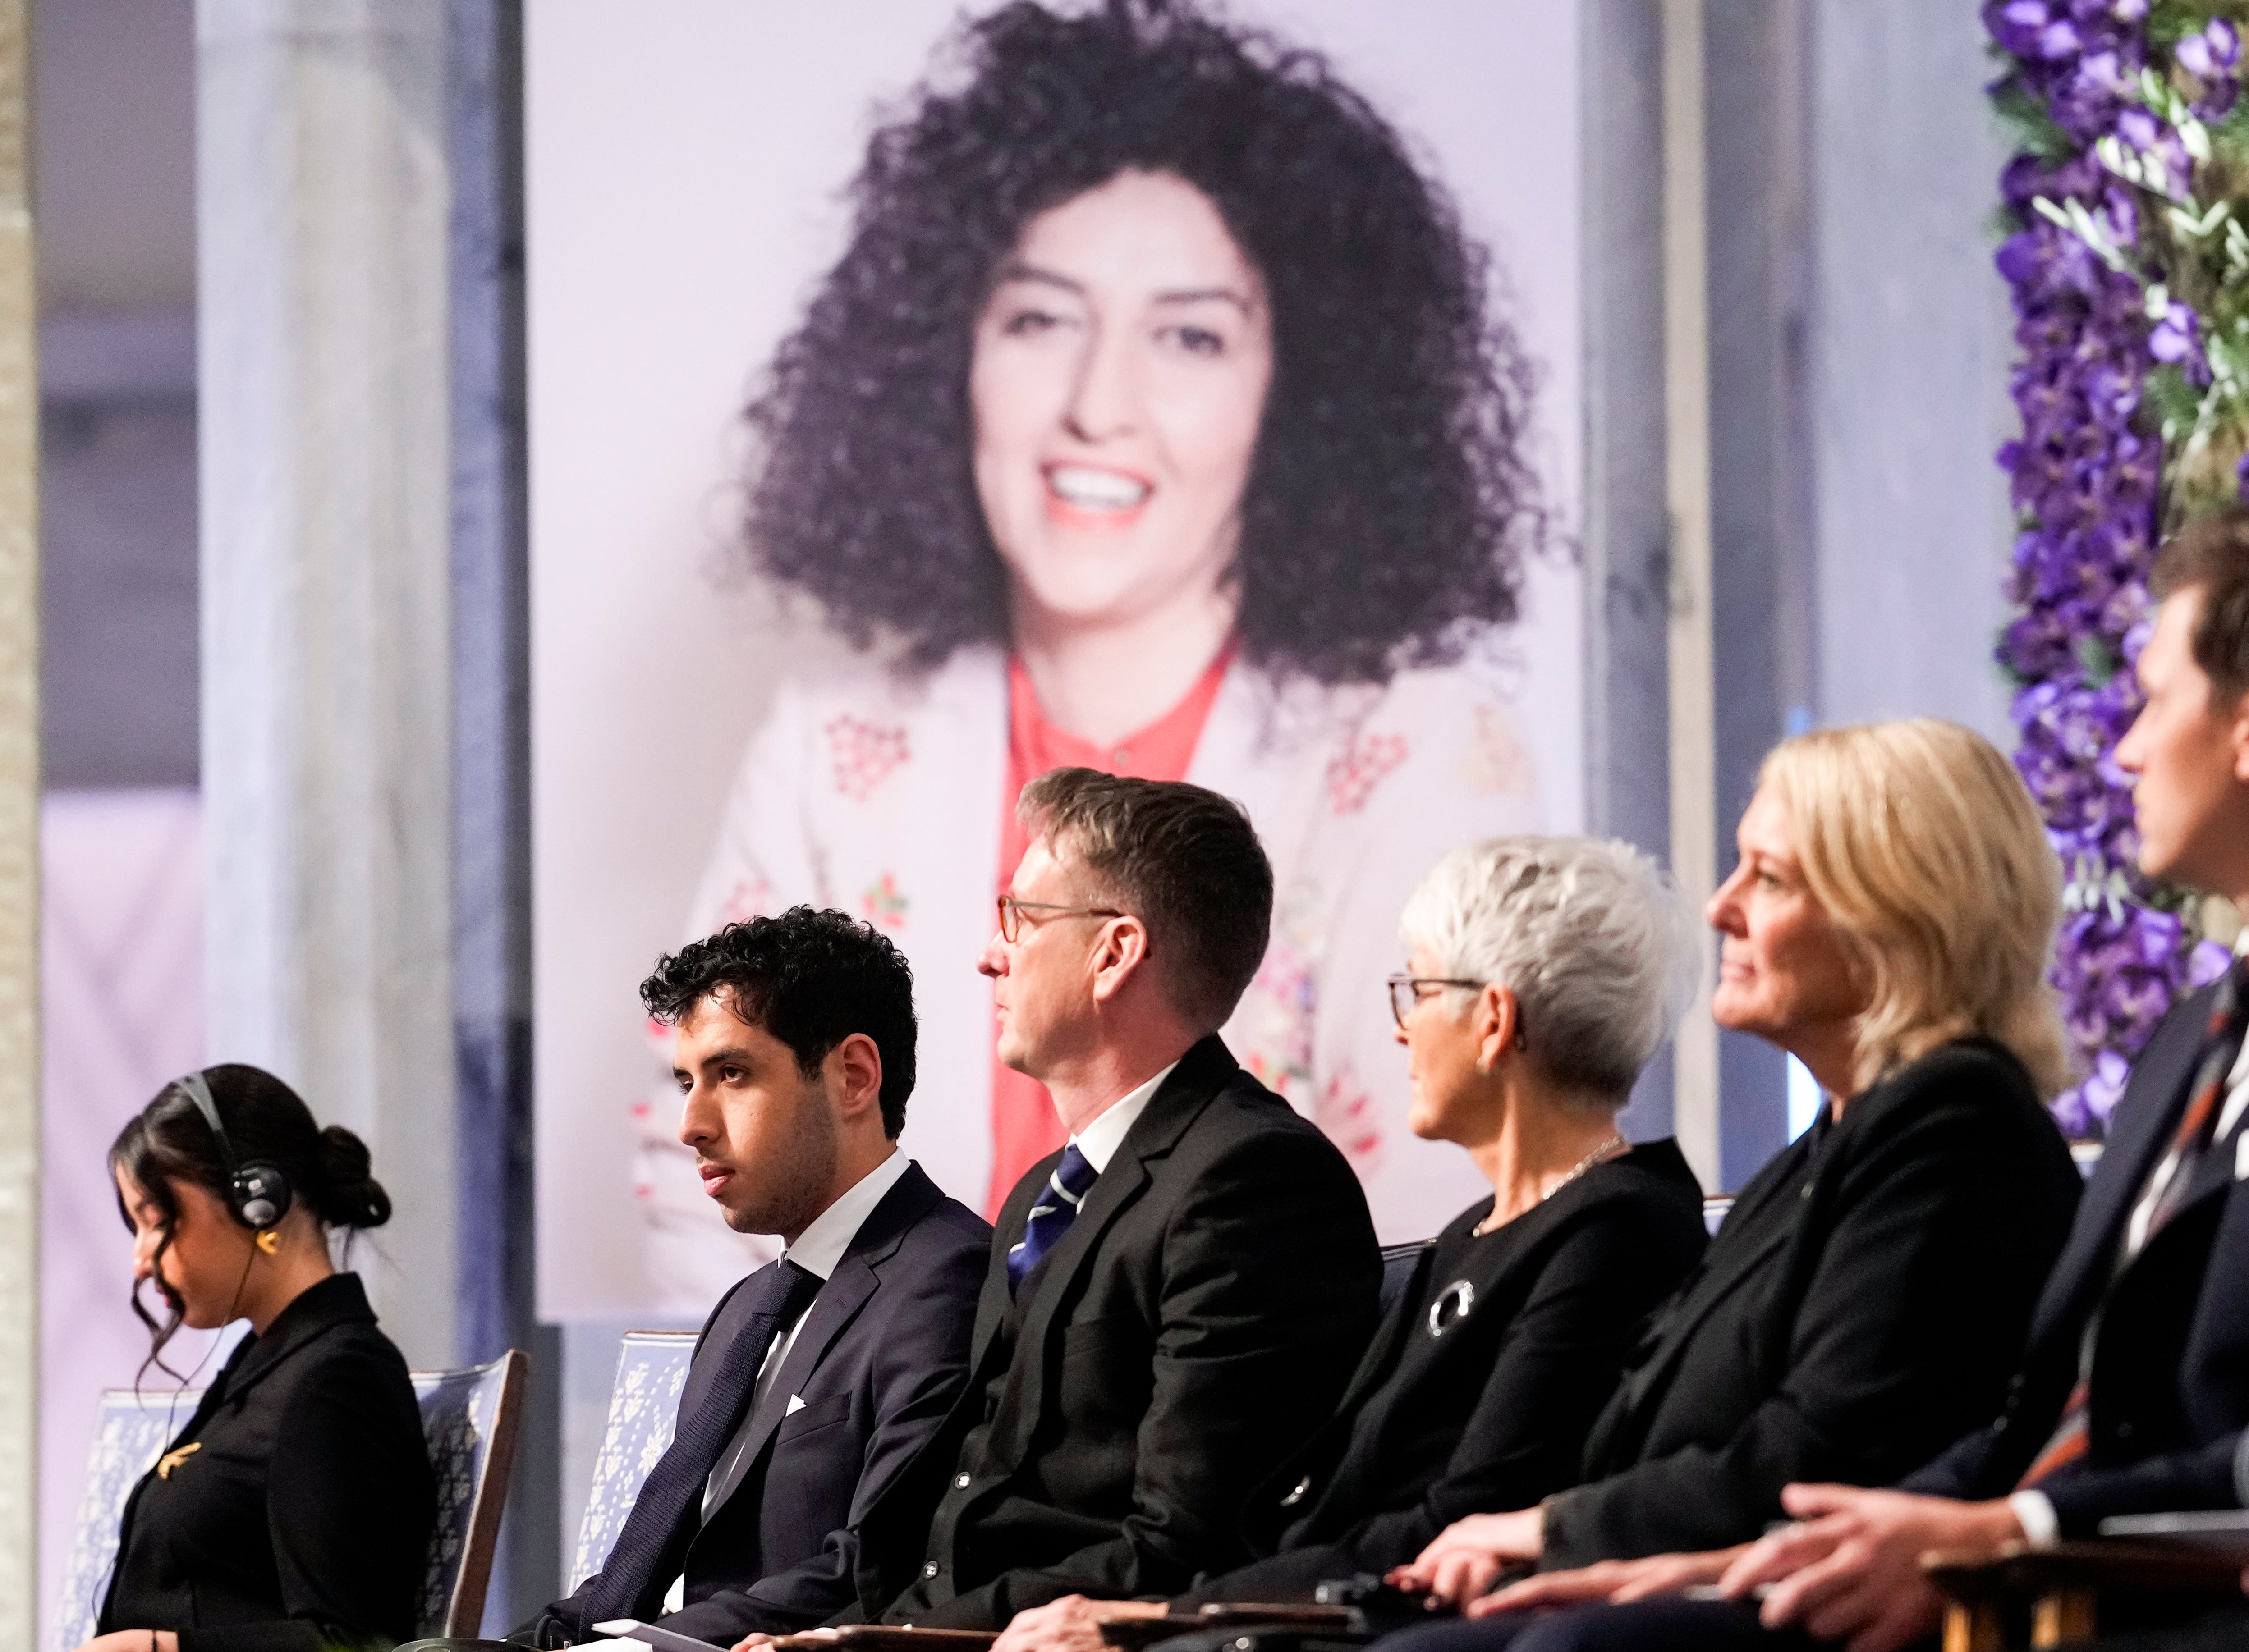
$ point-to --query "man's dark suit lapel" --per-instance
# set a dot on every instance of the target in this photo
(2146, 1119)
(838, 1303)
(2214, 1172)
(993, 1305)
(840, 1300)
(1200, 1075)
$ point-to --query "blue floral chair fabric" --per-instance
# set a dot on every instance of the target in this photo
(644, 1408)
(468, 1419)
(130, 1432)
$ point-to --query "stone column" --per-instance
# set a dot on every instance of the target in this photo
(1626, 534)
(19, 859)
(1757, 144)
(1687, 491)
(323, 199)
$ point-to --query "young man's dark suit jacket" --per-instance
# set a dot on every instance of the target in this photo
(1869, 1290)
(1198, 1319)
(881, 1358)
(2170, 1369)
(1456, 1410)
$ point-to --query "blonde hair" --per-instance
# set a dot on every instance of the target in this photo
(1921, 841)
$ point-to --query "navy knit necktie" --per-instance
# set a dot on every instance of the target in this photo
(674, 1486)
(1050, 1217)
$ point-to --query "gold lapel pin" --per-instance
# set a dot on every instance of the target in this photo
(172, 1460)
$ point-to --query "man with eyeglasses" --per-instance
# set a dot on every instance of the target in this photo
(1177, 1297)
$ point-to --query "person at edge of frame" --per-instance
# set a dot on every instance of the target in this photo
(2130, 1395)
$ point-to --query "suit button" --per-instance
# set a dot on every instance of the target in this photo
(929, 1568)
(2123, 1430)
(961, 1483)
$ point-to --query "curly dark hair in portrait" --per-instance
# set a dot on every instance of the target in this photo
(1389, 505)
(170, 1142)
(811, 977)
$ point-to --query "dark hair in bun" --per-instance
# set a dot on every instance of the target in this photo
(346, 1196)
(170, 1141)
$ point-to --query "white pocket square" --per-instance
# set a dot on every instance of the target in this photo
(796, 1404)
(2241, 1157)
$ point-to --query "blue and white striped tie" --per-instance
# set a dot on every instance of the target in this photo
(1050, 1217)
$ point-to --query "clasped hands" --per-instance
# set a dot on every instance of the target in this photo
(1847, 1570)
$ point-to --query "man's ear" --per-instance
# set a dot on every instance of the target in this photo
(1122, 953)
(855, 1074)
(2237, 735)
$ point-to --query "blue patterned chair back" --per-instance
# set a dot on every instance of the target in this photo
(468, 1419)
(130, 1432)
(644, 1407)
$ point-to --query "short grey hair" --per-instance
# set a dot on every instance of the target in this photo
(1601, 952)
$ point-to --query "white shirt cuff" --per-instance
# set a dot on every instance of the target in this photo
(2041, 1529)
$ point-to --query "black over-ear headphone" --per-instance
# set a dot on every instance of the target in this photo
(258, 1194)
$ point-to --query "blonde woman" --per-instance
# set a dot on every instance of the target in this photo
(1888, 924)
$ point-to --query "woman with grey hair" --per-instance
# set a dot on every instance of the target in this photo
(1544, 973)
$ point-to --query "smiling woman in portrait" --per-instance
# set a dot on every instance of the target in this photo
(1153, 420)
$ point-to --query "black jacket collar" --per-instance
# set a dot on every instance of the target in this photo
(338, 1300)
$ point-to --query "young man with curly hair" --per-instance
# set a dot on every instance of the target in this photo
(820, 1376)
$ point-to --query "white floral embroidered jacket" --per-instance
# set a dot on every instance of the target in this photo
(880, 795)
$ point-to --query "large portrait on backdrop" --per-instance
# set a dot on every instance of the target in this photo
(1164, 412)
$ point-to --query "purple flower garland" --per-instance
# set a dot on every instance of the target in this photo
(2087, 480)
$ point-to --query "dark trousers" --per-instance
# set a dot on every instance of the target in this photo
(1664, 1625)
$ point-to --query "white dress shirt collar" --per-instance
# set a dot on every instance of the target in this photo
(1100, 1140)
(820, 1248)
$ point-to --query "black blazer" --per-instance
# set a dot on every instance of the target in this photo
(2170, 1368)
(1198, 1319)
(878, 1364)
(302, 1517)
(1486, 1407)
(1869, 1289)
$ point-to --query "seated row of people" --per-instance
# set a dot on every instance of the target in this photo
(2131, 1389)
(1166, 1378)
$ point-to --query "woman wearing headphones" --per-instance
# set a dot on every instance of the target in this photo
(294, 1509)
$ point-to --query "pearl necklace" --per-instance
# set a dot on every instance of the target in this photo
(1612, 1148)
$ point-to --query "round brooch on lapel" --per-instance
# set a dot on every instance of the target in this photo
(1451, 1306)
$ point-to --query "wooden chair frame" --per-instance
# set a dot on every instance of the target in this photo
(2061, 1587)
